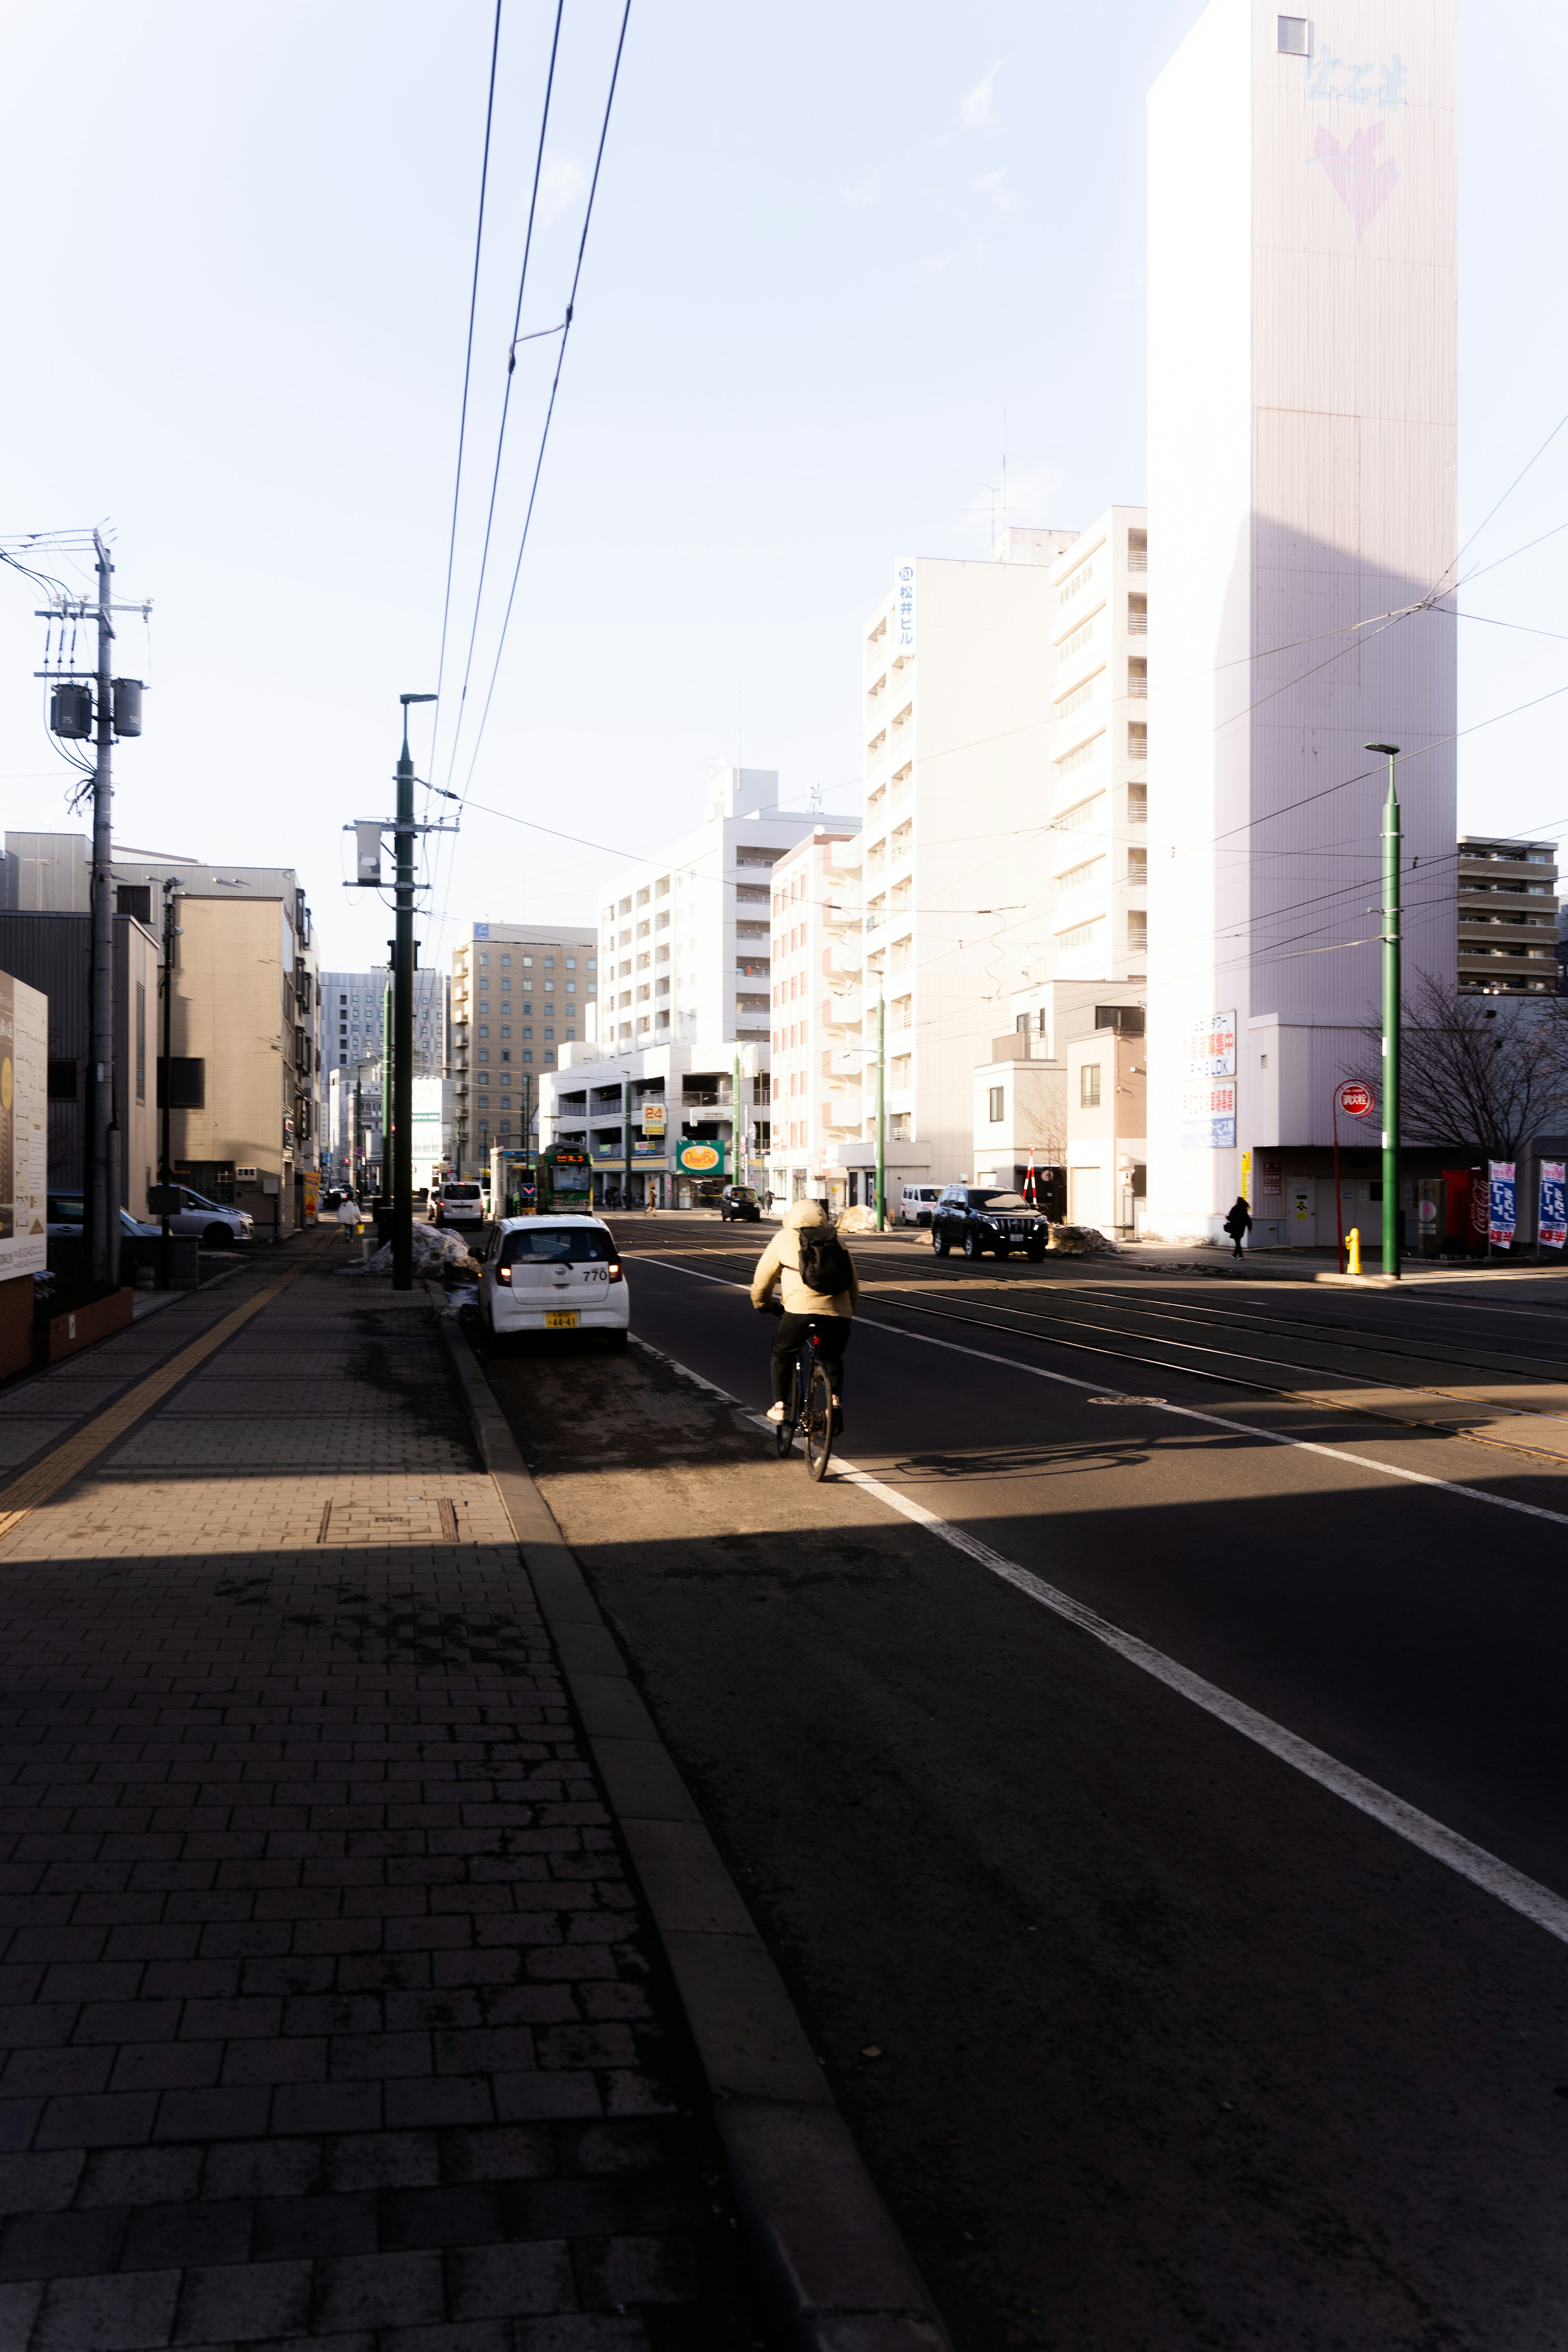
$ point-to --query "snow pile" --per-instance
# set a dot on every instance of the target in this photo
(1082, 1241)
(857, 1221)
(436, 1252)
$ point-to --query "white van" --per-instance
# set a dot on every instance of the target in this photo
(457, 1203)
(916, 1202)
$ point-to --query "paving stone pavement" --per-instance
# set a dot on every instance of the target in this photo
(329, 2014)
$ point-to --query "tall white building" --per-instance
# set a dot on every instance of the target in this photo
(683, 938)
(823, 1083)
(1302, 475)
(1005, 743)
(683, 952)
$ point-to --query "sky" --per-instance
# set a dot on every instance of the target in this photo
(841, 261)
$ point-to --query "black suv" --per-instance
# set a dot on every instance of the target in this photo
(739, 1201)
(977, 1220)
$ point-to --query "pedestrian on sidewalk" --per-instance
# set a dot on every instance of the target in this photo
(816, 1281)
(349, 1217)
(1238, 1223)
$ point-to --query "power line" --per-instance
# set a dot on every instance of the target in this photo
(511, 370)
(550, 411)
(467, 371)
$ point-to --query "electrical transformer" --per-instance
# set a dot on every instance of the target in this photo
(128, 705)
(70, 711)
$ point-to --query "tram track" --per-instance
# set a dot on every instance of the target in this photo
(1035, 1317)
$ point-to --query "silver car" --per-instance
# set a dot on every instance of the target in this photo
(214, 1226)
(458, 1201)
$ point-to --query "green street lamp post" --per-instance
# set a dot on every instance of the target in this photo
(1391, 976)
(399, 1099)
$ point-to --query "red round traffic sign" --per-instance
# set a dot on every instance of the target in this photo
(1357, 1101)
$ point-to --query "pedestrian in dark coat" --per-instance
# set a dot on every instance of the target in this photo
(1238, 1223)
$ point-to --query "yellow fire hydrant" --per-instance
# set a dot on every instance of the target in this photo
(1352, 1250)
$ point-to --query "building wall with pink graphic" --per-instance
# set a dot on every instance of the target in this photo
(1302, 484)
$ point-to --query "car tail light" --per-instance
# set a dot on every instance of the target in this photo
(503, 1274)
(614, 1269)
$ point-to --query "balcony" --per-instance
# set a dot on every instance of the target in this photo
(843, 1010)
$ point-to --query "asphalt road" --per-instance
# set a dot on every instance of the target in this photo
(1176, 2046)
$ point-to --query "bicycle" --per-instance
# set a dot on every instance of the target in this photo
(808, 1406)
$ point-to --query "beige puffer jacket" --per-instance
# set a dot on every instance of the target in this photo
(779, 1263)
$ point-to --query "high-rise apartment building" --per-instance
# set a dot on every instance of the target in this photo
(1095, 924)
(683, 953)
(1302, 475)
(683, 936)
(823, 1084)
(355, 1007)
(1507, 916)
(522, 995)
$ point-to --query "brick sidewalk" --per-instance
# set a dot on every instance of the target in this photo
(329, 2016)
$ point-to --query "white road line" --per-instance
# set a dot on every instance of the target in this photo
(1432, 1838)
(1183, 1411)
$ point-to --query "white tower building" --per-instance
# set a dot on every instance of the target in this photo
(1301, 487)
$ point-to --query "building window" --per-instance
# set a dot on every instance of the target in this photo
(1088, 1086)
(1292, 37)
(1137, 927)
(1137, 739)
(997, 1097)
(1138, 540)
(62, 1082)
(187, 1082)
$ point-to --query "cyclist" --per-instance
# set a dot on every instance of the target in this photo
(804, 1248)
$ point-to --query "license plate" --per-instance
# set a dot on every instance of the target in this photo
(561, 1319)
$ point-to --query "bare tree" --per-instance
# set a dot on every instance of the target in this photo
(1480, 1072)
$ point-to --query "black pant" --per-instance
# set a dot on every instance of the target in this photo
(834, 1333)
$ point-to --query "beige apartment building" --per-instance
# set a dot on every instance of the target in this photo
(521, 994)
(1508, 917)
(241, 1055)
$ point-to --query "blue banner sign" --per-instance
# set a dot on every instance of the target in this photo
(1500, 1217)
(1553, 1228)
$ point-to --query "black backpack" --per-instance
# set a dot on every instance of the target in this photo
(824, 1265)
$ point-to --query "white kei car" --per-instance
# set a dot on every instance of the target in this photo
(555, 1274)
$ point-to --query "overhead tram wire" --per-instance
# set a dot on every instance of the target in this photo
(467, 372)
(506, 397)
(564, 331)
(554, 387)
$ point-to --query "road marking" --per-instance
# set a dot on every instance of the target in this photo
(68, 1460)
(1187, 1412)
(1433, 1838)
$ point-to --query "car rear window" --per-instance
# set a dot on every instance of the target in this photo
(557, 1246)
(460, 1191)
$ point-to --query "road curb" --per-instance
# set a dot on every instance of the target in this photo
(834, 2270)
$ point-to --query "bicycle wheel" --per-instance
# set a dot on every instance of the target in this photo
(818, 1422)
(784, 1431)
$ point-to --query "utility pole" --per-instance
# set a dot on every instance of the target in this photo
(403, 1020)
(737, 1127)
(102, 1172)
(882, 1109)
(166, 1077)
(1390, 1012)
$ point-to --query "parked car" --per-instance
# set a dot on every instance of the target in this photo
(741, 1203)
(976, 1219)
(66, 1216)
(555, 1274)
(916, 1202)
(214, 1225)
(458, 1201)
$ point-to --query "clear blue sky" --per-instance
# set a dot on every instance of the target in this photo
(833, 245)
